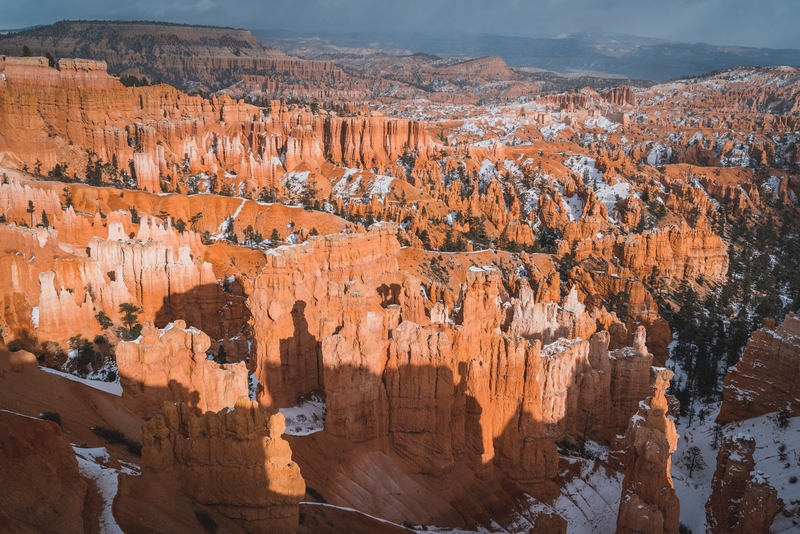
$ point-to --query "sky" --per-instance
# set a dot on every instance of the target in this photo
(759, 23)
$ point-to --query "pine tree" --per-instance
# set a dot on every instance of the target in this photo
(693, 460)
(130, 317)
(31, 210)
(194, 219)
(717, 437)
(589, 426)
(67, 196)
(230, 232)
(220, 356)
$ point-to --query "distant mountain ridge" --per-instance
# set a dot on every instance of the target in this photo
(206, 58)
(585, 53)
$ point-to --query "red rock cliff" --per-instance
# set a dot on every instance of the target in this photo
(742, 501)
(228, 460)
(649, 503)
(766, 377)
(172, 365)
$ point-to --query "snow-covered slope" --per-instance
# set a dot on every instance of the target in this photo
(694, 492)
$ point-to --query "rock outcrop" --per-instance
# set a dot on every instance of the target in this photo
(72, 281)
(41, 487)
(337, 314)
(171, 365)
(234, 461)
(298, 300)
(649, 503)
(151, 132)
(679, 253)
(767, 377)
(742, 500)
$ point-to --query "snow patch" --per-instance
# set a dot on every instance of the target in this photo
(93, 464)
(552, 130)
(574, 205)
(306, 418)
(113, 388)
(590, 502)
(296, 182)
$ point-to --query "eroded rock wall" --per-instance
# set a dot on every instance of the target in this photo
(649, 503)
(493, 383)
(40, 483)
(742, 500)
(171, 365)
(766, 378)
(233, 460)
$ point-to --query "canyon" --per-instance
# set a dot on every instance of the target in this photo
(465, 311)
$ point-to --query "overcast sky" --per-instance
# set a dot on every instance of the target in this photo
(761, 23)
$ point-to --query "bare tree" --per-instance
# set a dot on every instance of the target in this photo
(589, 427)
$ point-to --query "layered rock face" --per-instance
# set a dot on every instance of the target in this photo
(176, 54)
(676, 252)
(158, 272)
(153, 132)
(77, 275)
(766, 377)
(297, 302)
(171, 365)
(336, 314)
(742, 500)
(234, 460)
(649, 503)
(40, 483)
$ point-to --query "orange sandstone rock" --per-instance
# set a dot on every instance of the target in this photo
(227, 460)
(172, 365)
(649, 503)
(766, 377)
(40, 484)
(741, 501)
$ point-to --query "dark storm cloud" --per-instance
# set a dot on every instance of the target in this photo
(768, 23)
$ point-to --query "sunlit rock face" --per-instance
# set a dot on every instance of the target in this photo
(765, 378)
(171, 365)
(648, 502)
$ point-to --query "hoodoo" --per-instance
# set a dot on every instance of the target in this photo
(649, 502)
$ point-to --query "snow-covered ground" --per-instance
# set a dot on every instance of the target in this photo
(574, 205)
(589, 502)
(381, 185)
(605, 192)
(305, 418)
(296, 182)
(694, 492)
(94, 464)
(552, 130)
(109, 387)
(603, 123)
(349, 184)
(659, 155)
(486, 172)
